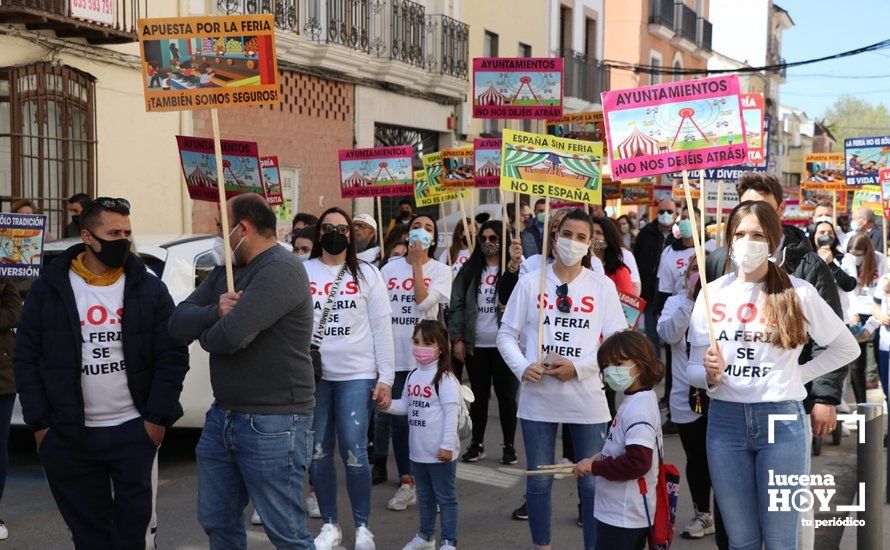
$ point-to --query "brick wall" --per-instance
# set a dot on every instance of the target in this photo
(314, 120)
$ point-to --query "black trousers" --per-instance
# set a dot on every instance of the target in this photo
(692, 437)
(486, 367)
(82, 474)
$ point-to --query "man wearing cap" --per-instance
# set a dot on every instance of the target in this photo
(364, 231)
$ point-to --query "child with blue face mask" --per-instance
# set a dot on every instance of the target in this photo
(629, 454)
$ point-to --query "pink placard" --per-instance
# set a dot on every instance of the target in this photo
(241, 167)
(488, 162)
(376, 172)
(517, 87)
(677, 126)
(271, 181)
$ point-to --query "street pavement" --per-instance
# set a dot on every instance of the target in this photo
(487, 493)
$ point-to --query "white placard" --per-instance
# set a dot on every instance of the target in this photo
(97, 11)
(730, 198)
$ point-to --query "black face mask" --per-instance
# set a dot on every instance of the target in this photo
(334, 243)
(75, 219)
(824, 240)
(114, 253)
(405, 214)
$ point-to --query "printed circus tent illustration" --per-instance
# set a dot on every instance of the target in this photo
(637, 144)
(551, 166)
(356, 180)
(199, 178)
(491, 97)
(489, 169)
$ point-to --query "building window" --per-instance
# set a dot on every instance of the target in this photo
(791, 179)
(590, 38)
(565, 30)
(655, 63)
(47, 138)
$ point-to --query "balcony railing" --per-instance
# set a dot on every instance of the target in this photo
(662, 13)
(705, 32)
(116, 27)
(685, 21)
(584, 78)
(400, 30)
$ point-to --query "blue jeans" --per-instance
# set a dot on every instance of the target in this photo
(383, 422)
(435, 485)
(263, 457)
(540, 444)
(650, 323)
(342, 409)
(740, 459)
(883, 361)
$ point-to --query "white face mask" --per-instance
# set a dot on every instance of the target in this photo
(858, 260)
(303, 257)
(748, 254)
(570, 252)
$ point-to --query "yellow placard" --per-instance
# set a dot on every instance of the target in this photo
(431, 195)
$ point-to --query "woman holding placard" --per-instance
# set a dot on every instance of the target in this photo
(762, 318)
(560, 380)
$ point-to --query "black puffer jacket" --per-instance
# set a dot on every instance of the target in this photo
(800, 261)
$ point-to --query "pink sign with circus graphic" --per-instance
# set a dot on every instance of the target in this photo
(677, 126)
(517, 87)
(488, 162)
(376, 172)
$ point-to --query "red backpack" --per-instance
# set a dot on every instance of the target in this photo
(667, 492)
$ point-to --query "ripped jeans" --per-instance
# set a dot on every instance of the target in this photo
(342, 409)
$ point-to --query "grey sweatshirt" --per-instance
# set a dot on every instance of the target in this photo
(259, 352)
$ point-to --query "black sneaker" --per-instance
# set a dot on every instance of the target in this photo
(475, 453)
(669, 428)
(509, 455)
(379, 474)
(664, 403)
(520, 514)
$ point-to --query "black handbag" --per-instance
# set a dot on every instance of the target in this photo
(315, 346)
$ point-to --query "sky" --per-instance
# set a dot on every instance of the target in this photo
(824, 28)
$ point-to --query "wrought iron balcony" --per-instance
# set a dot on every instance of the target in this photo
(685, 21)
(116, 26)
(705, 32)
(585, 78)
(400, 30)
(661, 12)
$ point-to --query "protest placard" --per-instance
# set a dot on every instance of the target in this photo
(633, 308)
(426, 194)
(824, 168)
(564, 169)
(21, 245)
(752, 113)
(457, 168)
(868, 196)
(580, 126)
(865, 158)
(376, 172)
(729, 200)
(684, 125)
(487, 162)
(812, 193)
(611, 190)
(637, 194)
(517, 87)
(884, 176)
(241, 167)
(678, 192)
(208, 62)
(271, 181)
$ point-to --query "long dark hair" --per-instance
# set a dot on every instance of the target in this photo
(835, 245)
(867, 271)
(459, 238)
(781, 305)
(435, 332)
(352, 261)
(576, 214)
(612, 256)
(476, 264)
(431, 251)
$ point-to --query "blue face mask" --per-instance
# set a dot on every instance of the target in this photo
(420, 235)
(618, 377)
(685, 229)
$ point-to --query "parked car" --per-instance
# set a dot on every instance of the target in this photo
(181, 262)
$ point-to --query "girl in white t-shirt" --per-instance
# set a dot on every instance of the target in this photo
(867, 266)
(357, 371)
(761, 319)
(431, 401)
(630, 452)
(881, 311)
(418, 287)
(457, 254)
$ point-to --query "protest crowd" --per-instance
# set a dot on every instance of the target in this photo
(329, 349)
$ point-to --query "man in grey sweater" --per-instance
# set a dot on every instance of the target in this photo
(257, 439)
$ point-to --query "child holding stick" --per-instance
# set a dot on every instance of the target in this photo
(632, 368)
(431, 400)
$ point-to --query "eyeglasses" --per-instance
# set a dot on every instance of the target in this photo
(491, 239)
(563, 303)
(360, 225)
(665, 211)
(108, 202)
(328, 227)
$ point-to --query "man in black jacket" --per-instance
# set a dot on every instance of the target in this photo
(798, 259)
(99, 379)
(651, 240)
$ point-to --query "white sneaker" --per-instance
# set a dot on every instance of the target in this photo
(364, 539)
(447, 546)
(404, 497)
(563, 461)
(4, 532)
(255, 518)
(329, 537)
(419, 543)
(700, 525)
(312, 505)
